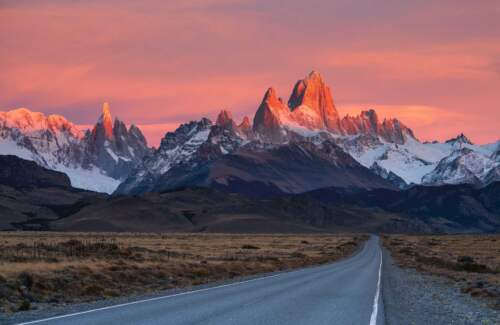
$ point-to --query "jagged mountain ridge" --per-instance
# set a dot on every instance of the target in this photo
(97, 160)
(309, 118)
(103, 157)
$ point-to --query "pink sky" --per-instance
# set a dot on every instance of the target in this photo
(435, 65)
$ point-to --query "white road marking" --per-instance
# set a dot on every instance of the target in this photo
(373, 318)
(150, 299)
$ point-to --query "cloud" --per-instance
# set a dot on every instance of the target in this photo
(438, 62)
(160, 62)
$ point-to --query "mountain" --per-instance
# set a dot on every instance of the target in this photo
(114, 148)
(251, 156)
(277, 153)
(96, 160)
(293, 168)
(22, 174)
(290, 148)
(45, 201)
(311, 111)
(461, 166)
(456, 161)
(447, 208)
(32, 196)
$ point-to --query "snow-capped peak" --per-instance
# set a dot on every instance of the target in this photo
(28, 122)
(459, 140)
(95, 161)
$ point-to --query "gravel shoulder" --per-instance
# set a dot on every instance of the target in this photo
(410, 297)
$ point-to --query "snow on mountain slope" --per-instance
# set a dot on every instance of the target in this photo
(463, 165)
(89, 179)
(414, 160)
(96, 160)
(110, 152)
(178, 147)
(385, 146)
(410, 161)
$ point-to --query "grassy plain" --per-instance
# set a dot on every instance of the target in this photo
(42, 268)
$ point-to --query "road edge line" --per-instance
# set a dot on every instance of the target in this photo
(373, 318)
(146, 300)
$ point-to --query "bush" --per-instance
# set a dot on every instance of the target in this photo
(473, 267)
(200, 273)
(249, 247)
(25, 279)
(93, 290)
(406, 251)
(297, 255)
(24, 305)
(465, 259)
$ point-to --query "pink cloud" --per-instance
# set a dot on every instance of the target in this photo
(161, 62)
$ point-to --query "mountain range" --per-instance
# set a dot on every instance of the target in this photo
(97, 159)
(35, 198)
(289, 147)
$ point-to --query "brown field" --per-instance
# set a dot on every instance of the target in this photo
(37, 269)
(473, 261)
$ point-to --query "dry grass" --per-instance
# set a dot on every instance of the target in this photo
(473, 261)
(40, 268)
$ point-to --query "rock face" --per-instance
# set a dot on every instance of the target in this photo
(112, 147)
(269, 117)
(311, 109)
(312, 106)
(96, 160)
(176, 148)
(225, 119)
(391, 130)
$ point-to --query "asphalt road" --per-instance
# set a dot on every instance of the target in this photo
(345, 292)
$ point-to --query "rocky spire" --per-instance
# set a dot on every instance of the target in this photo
(106, 121)
(267, 118)
(312, 95)
(267, 115)
(225, 119)
(245, 124)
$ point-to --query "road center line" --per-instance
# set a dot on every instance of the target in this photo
(373, 318)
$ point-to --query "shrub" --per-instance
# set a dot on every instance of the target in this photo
(25, 279)
(406, 251)
(472, 267)
(246, 246)
(465, 259)
(24, 305)
(93, 290)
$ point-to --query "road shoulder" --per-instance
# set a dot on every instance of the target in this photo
(413, 298)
